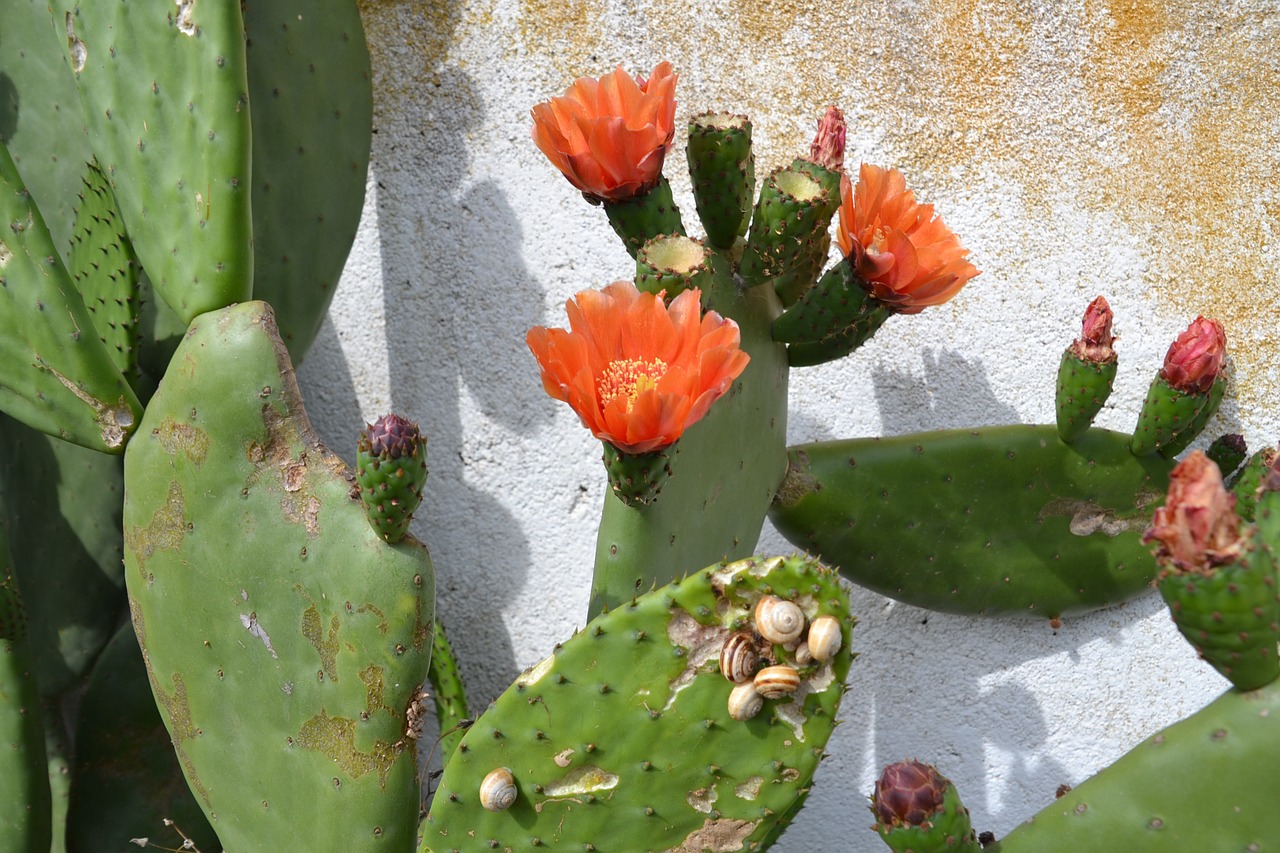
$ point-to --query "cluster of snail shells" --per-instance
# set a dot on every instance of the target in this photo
(782, 623)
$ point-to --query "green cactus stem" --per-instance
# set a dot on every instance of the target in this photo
(722, 168)
(626, 737)
(1049, 529)
(1165, 413)
(1249, 479)
(637, 478)
(671, 263)
(1086, 373)
(918, 810)
(790, 217)
(1228, 452)
(643, 217)
(832, 319)
(447, 693)
(25, 805)
(1183, 439)
(56, 374)
(1205, 783)
(284, 639)
(391, 469)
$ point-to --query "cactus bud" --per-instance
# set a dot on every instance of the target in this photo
(1094, 343)
(1197, 528)
(391, 467)
(918, 809)
(827, 149)
(1086, 373)
(1195, 359)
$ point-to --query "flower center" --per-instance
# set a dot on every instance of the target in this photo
(630, 377)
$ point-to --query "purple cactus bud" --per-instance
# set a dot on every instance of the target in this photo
(392, 436)
(908, 793)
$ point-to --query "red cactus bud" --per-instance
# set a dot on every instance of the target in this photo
(828, 146)
(1197, 529)
(1096, 339)
(392, 436)
(1195, 359)
(908, 794)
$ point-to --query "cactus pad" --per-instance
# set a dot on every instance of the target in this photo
(1083, 388)
(1165, 413)
(643, 217)
(622, 739)
(722, 169)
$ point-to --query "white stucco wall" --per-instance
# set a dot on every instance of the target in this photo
(1123, 147)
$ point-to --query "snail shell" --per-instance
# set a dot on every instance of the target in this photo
(745, 701)
(779, 621)
(803, 655)
(498, 790)
(774, 682)
(739, 659)
(825, 638)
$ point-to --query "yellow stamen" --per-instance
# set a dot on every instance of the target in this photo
(630, 377)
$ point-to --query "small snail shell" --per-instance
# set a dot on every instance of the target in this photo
(498, 790)
(803, 655)
(824, 638)
(774, 682)
(738, 658)
(778, 621)
(745, 701)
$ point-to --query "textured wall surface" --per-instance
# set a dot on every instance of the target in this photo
(1122, 147)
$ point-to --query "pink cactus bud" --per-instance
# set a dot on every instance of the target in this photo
(1195, 359)
(1095, 340)
(1197, 529)
(828, 146)
(908, 794)
(393, 436)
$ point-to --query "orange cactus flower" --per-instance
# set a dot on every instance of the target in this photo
(905, 253)
(610, 136)
(638, 372)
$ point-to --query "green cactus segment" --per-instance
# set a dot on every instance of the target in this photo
(1205, 783)
(1183, 439)
(105, 271)
(126, 779)
(25, 805)
(1048, 529)
(637, 478)
(1165, 413)
(40, 118)
(285, 640)
(722, 168)
(166, 100)
(622, 740)
(638, 220)
(1228, 452)
(871, 317)
(61, 505)
(1083, 388)
(56, 375)
(832, 319)
(312, 97)
(788, 224)
(391, 469)
(728, 468)
(947, 830)
(1247, 481)
(447, 693)
(814, 254)
(672, 263)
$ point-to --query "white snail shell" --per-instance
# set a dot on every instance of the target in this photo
(803, 655)
(774, 682)
(825, 638)
(739, 658)
(779, 621)
(745, 701)
(498, 790)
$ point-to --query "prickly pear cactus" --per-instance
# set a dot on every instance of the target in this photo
(284, 639)
(627, 737)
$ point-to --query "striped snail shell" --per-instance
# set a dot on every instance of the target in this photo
(824, 638)
(745, 701)
(774, 682)
(779, 621)
(738, 658)
(498, 790)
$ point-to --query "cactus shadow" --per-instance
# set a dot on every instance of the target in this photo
(953, 391)
(8, 107)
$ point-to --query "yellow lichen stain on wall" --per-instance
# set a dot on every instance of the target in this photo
(410, 44)
(569, 33)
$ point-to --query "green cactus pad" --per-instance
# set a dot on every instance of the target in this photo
(832, 319)
(166, 101)
(284, 639)
(1165, 413)
(1228, 452)
(1205, 783)
(106, 271)
(312, 115)
(1048, 529)
(126, 779)
(447, 693)
(391, 479)
(622, 739)
(1183, 439)
(61, 505)
(722, 168)
(729, 466)
(1083, 388)
(25, 807)
(639, 219)
(56, 375)
(1247, 481)
(790, 218)
(672, 263)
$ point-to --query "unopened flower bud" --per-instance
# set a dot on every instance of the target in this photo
(908, 794)
(1095, 341)
(1195, 359)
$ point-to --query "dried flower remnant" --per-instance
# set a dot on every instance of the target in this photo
(827, 149)
(1197, 529)
(1096, 339)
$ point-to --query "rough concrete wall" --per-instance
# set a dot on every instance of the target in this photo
(1123, 147)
